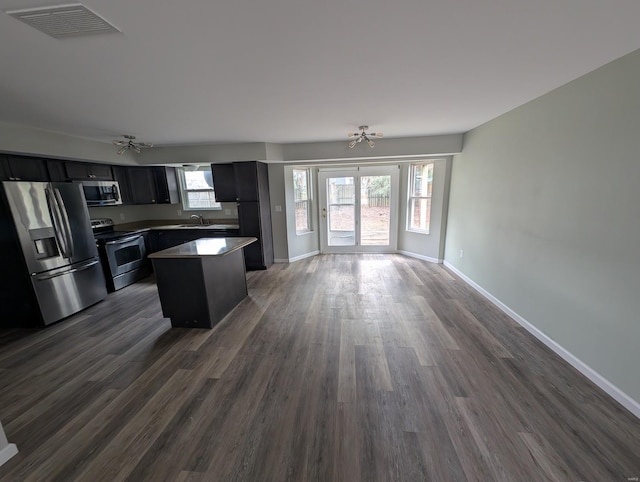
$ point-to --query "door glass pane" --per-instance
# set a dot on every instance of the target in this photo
(375, 210)
(341, 212)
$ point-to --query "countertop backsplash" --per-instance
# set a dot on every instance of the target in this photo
(166, 213)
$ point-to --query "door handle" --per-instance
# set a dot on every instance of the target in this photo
(65, 220)
(125, 240)
(69, 271)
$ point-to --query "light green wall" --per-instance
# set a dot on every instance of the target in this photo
(278, 218)
(386, 148)
(204, 153)
(426, 245)
(545, 201)
(300, 245)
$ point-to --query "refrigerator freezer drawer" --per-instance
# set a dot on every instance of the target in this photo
(63, 293)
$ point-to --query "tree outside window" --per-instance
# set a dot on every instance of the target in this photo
(302, 200)
(420, 186)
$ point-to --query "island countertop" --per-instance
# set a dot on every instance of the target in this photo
(204, 247)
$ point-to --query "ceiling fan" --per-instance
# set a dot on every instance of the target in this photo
(363, 136)
(129, 144)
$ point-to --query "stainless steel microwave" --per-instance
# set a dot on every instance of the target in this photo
(102, 193)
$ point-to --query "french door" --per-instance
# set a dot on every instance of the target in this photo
(358, 209)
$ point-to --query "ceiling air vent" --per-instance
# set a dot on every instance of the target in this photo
(64, 20)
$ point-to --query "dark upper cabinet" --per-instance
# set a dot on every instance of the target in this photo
(224, 182)
(166, 185)
(120, 174)
(23, 168)
(142, 185)
(147, 185)
(57, 172)
(80, 171)
(254, 212)
(251, 177)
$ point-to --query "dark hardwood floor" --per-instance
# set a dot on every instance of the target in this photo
(335, 368)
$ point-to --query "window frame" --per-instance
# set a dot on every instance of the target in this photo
(411, 197)
(308, 201)
(184, 191)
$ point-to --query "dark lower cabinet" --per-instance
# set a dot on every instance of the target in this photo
(248, 184)
(255, 221)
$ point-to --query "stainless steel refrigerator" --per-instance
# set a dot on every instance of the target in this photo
(50, 267)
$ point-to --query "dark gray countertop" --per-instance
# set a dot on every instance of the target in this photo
(204, 247)
(164, 225)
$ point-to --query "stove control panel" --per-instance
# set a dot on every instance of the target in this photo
(101, 223)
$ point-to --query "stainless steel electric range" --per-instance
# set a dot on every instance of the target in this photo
(122, 253)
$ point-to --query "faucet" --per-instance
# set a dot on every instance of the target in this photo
(198, 217)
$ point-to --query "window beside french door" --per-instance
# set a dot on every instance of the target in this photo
(358, 209)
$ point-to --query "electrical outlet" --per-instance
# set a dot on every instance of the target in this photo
(179, 212)
(227, 212)
(462, 253)
(122, 216)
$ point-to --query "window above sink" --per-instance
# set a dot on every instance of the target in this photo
(196, 186)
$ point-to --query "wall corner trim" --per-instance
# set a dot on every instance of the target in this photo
(420, 256)
(622, 398)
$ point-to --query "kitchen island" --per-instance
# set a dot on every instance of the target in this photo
(199, 282)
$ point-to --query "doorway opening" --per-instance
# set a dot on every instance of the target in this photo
(358, 209)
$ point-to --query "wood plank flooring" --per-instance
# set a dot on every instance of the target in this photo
(335, 368)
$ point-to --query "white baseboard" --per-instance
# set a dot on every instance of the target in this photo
(420, 256)
(625, 400)
(303, 256)
(7, 452)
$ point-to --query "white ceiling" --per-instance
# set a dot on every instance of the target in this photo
(201, 71)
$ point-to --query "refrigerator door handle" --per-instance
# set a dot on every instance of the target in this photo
(55, 218)
(45, 277)
(65, 219)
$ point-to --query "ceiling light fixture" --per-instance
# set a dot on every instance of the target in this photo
(129, 144)
(363, 136)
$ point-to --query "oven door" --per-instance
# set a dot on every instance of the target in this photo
(125, 254)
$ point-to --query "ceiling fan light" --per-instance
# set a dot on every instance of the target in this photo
(121, 150)
(363, 135)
